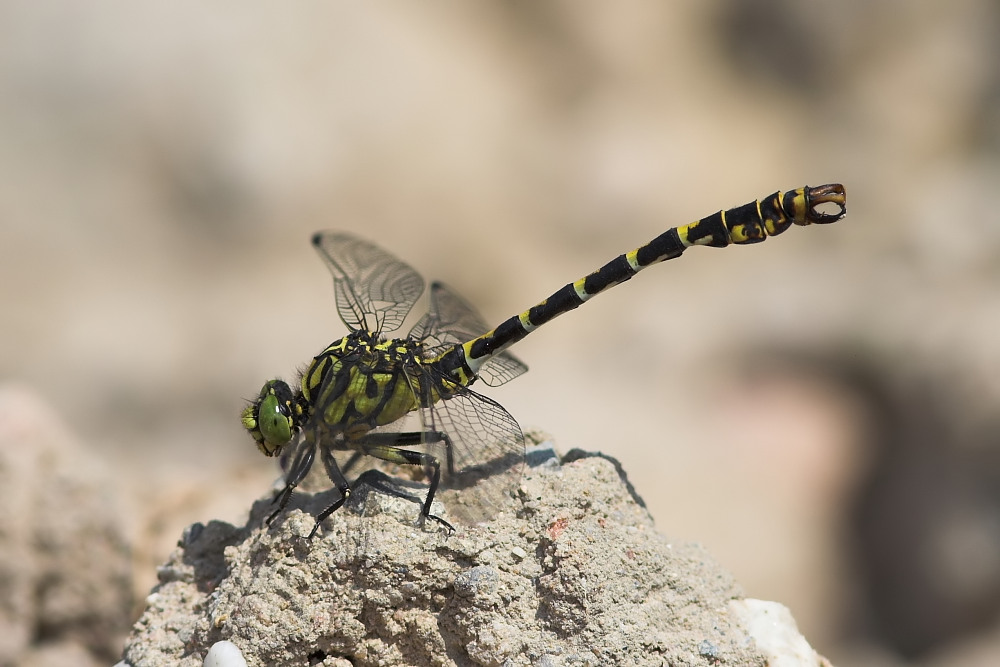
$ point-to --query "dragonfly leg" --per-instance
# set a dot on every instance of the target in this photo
(388, 447)
(337, 477)
(301, 463)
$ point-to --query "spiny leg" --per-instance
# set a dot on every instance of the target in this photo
(337, 477)
(386, 446)
(301, 463)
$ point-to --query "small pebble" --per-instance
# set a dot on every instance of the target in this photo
(542, 454)
(480, 580)
(708, 650)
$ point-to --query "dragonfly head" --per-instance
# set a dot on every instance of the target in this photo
(272, 418)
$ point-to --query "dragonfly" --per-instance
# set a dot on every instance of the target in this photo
(409, 401)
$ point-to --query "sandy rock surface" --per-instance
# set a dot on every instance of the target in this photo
(572, 573)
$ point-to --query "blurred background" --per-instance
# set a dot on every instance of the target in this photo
(820, 411)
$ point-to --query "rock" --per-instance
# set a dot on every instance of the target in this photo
(65, 586)
(572, 573)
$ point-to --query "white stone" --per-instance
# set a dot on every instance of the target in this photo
(224, 654)
(777, 636)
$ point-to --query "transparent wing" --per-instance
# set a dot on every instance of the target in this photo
(451, 320)
(374, 290)
(484, 463)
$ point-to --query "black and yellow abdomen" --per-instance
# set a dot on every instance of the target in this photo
(750, 223)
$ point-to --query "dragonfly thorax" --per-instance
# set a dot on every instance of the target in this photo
(360, 382)
(356, 384)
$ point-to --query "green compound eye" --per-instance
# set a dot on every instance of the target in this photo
(274, 423)
(270, 419)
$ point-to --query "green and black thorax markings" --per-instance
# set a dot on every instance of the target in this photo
(355, 396)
